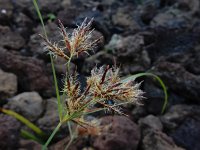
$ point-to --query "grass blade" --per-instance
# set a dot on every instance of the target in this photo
(25, 121)
(27, 135)
(133, 77)
(60, 109)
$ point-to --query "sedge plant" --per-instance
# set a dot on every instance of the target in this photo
(104, 86)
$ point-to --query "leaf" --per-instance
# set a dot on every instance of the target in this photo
(25, 121)
(133, 77)
(27, 135)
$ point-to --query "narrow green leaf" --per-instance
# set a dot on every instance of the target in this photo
(60, 108)
(133, 77)
(24, 121)
(40, 16)
(27, 135)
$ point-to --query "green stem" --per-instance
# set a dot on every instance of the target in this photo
(70, 128)
(57, 90)
(51, 136)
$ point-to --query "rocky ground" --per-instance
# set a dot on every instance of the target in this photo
(161, 36)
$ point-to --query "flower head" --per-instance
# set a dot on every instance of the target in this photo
(106, 84)
(79, 41)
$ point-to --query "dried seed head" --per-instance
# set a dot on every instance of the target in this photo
(76, 43)
(106, 84)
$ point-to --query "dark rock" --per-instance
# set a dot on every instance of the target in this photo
(46, 7)
(9, 132)
(148, 10)
(192, 62)
(177, 114)
(28, 144)
(31, 72)
(138, 112)
(6, 12)
(179, 79)
(122, 133)
(169, 42)
(187, 133)
(124, 19)
(8, 84)
(36, 43)
(28, 104)
(50, 118)
(23, 24)
(155, 96)
(151, 122)
(101, 22)
(128, 52)
(100, 58)
(189, 5)
(157, 140)
(10, 39)
(68, 15)
(182, 123)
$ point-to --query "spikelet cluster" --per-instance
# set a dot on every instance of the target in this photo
(104, 85)
(75, 43)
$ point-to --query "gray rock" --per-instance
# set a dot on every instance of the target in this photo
(157, 140)
(178, 79)
(121, 133)
(9, 132)
(187, 133)
(36, 43)
(50, 119)
(129, 50)
(28, 104)
(45, 6)
(10, 39)
(152, 122)
(8, 84)
(28, 145)
(182, 123)
(32, 72)
(6, 11)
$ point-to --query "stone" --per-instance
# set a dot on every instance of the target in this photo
(31, 72)
(178, 79)
(129, 52)
(9, 132)
(46, 7)
(28, 104)
(187, 133)
(124, 19)
(8, 84)
(36, 43)
(152, 122)
(182, 123)
(177, 114)
(24, 24)
(100, 58)
(6, 11)
(157, 140)
(10, 39)
(50, 119)
(121, 133)
(28, 144)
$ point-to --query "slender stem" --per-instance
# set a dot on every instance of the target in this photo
(70, 128)
(52, 63)
(68, 65)
(70, 142)
(60, 109)
(51, 136)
